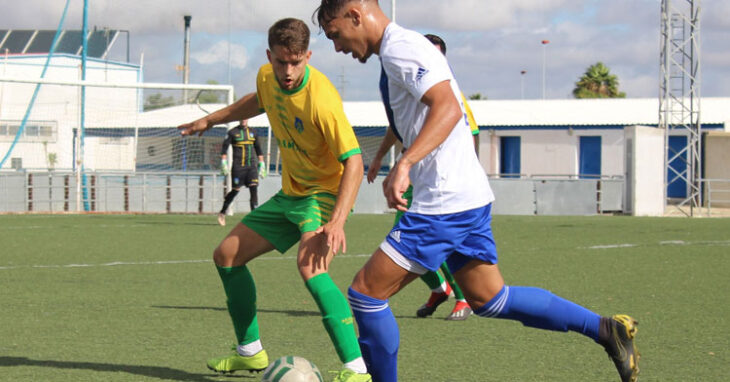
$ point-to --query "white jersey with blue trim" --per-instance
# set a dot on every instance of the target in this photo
(450, 179)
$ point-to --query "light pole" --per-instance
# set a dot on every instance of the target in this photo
(544, 44)
(522, 83)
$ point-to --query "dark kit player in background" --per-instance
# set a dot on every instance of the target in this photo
(246, 167)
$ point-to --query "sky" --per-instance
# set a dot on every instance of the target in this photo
(489, 42)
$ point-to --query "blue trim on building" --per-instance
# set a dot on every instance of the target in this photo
(705, 126)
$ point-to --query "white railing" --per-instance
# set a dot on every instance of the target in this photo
(716, 194)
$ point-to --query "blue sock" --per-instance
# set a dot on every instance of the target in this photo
(379, 336)
(541, 309)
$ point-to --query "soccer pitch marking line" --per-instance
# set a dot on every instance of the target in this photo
(662, 243)
(164, 262)
(10, 228)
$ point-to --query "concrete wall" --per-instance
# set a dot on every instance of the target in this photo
(645, 171)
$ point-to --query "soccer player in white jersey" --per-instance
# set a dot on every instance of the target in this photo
(450, 215)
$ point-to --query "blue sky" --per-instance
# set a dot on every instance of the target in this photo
(489, 41)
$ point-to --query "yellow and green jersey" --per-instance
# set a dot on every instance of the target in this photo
(470, 117)
(311, 129)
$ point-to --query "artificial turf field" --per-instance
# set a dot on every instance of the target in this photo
(137, 298)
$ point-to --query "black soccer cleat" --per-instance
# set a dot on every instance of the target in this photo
(618, 341)
(434, 300)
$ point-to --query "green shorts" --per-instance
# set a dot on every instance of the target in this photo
(283, 219)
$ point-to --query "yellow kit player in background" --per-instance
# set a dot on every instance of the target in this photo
(321, 173)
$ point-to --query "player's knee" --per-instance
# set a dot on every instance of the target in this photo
(360, 284)
(223, 255)
(307, 269)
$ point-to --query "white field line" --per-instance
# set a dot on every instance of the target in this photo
(719, 243)
(165, 262)
(24, 227)
(610, 246)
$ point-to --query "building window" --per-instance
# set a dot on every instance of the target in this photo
(34, 131)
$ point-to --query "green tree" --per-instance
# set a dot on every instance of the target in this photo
(477, 96)
(597, 82)
(210, 96)
(158, 101)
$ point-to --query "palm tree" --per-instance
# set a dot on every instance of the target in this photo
(597, 82)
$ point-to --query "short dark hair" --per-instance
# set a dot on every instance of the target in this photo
(436, 40)
(328, 9)
(290, 33)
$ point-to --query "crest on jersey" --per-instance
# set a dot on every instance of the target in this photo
(299, 125)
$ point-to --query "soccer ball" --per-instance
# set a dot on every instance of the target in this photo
(292, 369)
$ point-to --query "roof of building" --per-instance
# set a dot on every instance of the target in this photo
(497, 113)
(587, 112)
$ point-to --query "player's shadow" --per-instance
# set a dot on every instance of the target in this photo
(164, 373)
(294, 313)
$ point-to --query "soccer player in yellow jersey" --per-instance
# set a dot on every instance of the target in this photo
(321, 173)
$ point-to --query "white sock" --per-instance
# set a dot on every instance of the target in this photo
(357, 365)
(441, 288)
(249, 349)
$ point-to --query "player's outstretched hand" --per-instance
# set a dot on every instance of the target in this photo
(198, 126)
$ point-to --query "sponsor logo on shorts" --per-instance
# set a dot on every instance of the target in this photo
(395, 235)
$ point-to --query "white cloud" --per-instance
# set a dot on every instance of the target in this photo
(218, 53)
(473, 15)
(211, 16)
(489, 41)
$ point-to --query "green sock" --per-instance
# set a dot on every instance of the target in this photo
(432, 279)
(241, 299)
(336, 316)
(450, 279)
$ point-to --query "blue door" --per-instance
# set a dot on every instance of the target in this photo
(676, 185)
(589, 158)
(509, 157)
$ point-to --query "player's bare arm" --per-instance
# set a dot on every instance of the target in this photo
(245, 108)
(349, 186)
(444, 113)
(385, 145)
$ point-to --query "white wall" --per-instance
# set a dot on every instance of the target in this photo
(553, 151)
(645, 171)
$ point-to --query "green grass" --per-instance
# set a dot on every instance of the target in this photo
(136, 298)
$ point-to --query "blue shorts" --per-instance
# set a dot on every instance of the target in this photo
(429, 240)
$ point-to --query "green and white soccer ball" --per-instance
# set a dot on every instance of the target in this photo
(292, 369)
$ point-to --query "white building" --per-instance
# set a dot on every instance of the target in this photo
(56, 114)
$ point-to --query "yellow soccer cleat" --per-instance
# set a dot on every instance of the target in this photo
(347, 375)
(236, 362)
(621, 348)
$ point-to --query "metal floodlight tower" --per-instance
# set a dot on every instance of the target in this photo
(679, 98)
